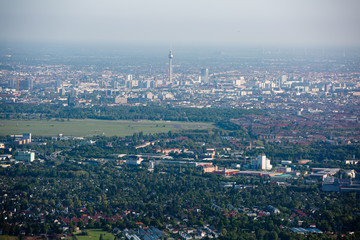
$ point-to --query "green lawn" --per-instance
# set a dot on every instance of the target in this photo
(94, 234)
(7, 237)
(89, 127)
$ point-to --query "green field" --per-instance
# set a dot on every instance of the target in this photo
(7, 237)
(94, 234)
(89, 127)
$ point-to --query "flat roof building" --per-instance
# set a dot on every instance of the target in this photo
(134, 160)
(25, 156)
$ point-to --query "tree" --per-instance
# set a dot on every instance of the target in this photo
(271, 236)
(223, 232)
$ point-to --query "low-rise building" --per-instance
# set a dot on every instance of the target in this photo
(353, 162)
(25, 156)
(134, 160)
(350, 173)
(284, 169)
(5, 156)
(323, 172)
(209, 169)
(273, 210)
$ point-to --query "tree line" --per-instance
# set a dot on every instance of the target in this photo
(168, 113)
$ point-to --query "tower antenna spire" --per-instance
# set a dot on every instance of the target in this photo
(171, 56)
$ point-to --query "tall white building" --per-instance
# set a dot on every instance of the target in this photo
(262, 163)
(204, 75)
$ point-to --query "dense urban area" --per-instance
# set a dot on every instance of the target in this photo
(243, 144)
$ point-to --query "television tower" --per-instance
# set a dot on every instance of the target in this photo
(171, 56)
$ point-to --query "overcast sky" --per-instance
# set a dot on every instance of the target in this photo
(257, 22)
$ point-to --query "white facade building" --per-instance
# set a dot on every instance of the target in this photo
(204, 77)
(262, 162)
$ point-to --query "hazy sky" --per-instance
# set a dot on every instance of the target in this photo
(289, 22)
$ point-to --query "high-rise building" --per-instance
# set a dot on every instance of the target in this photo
(153, 84)
(171, 56)
(145, 84)
(204, 75)
(74, 93)
(58, 83)
(27, 137)
(128, 84)
(30, 83)
(12, 83)
(327, 87)
(283, 79)
(115, 84)
(262, 162)
(17, 84)
(62, 91)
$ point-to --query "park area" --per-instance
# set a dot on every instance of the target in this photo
(95, 234)
(90, 127)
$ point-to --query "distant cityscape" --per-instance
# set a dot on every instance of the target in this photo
(270, 82)
(263, 146)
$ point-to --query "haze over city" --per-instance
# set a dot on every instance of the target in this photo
(207, 22)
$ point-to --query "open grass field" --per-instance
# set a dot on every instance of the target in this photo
(94, 234)
(89, 127)
(7, 237)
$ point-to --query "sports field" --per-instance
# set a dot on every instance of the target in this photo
(89, 127)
